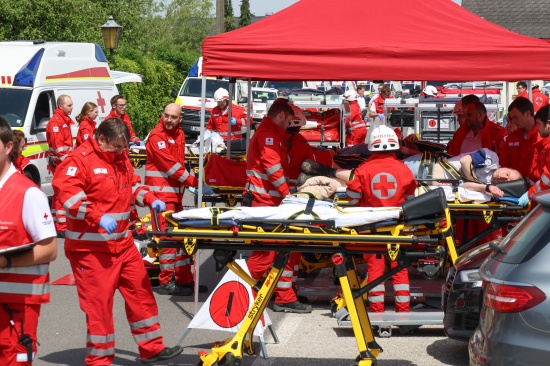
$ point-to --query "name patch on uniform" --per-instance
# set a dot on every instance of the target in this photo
(161, 144)
(65, 125)
(55, 129)
(85, 136)
(269, 141)
(100, 171)
(71, 171)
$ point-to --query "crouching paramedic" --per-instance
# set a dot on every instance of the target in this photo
(24, 275)
(165, 174)
(97, 185)
(266, 162)
(383, 181)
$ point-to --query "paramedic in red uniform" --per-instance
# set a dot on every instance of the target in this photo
(24, 276)
(354, 123)
(519, 151)
(86, 123)
(97, 185)
(165, 174)
(20, 161)
(543, 155)
(383, 181)
(539, 98)
(377, 103)
(521, 87)
(266, 163)
(219, 116)
(118, 110)
(477, 132)
(60, 141)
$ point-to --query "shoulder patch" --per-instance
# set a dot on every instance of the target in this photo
(55, 129)
(71, 171)
(269, 141)
(161, 144)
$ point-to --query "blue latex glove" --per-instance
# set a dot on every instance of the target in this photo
(207, 190)
(108, 224)
(192, 190)
(158, 206)
(381, 116)
(233, 121)
(140, 143)
(524, 199)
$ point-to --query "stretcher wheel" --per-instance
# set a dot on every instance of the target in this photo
(359, 362)
(229, 360)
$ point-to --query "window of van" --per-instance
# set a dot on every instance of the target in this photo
(14, 104)
(263, 96)
(192, 87)
(284, 85)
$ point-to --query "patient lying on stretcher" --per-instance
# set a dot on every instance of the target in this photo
(478, 171)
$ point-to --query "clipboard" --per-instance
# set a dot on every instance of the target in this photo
(18, 249)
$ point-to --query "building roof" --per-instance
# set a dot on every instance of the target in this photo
(527, 17)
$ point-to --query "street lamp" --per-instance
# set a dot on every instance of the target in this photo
(110, 32)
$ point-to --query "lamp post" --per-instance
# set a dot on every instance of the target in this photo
(110, 32)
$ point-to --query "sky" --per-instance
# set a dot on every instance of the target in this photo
(263, 7)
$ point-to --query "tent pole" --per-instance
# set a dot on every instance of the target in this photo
(248, 114)
(229, 115)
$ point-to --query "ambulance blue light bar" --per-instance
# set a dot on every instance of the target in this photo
(26, 76)
(99, 54)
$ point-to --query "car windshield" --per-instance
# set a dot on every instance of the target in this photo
(193, 87)
(263, 96)
(283, 85)
(14, 104)
(528, 238)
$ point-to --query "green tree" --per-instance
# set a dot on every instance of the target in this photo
(246, 15)
(229, 19)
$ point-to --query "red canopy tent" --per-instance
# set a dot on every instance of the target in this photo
(374, 39)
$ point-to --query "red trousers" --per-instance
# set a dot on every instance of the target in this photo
(97, 276)
(357, 136)
(174, 263)
(260, 261)
(11, 352)
(376, 268)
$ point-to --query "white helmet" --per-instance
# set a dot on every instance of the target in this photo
(535, 86)
(221, 94)
(350, 95)
(299, 119)
(458, 108)
(383, 138)
(430, 90)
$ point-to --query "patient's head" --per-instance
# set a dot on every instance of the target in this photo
(505, 175)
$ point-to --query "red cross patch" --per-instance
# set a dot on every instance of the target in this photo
(383, 185)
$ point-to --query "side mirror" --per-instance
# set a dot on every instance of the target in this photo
(174, 93)
(243, 100)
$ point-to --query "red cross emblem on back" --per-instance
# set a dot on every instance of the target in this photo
(384, 185)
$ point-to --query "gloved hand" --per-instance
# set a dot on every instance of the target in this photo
(381, 116)
(108, 224)
(233, 121)
(524, 199)
(140, 143)
(207, 190)
(158, 206)
(192, 190)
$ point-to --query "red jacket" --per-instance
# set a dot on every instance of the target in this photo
(539, 99)
(165, 172)
(218, 121)
(381, 181)
(298, 150)
(23, 285)
(126, 119)
(266, 162)
(20, 163)
(491, 137)
(59, 137)
(520, 153)
(91, 183)
(86, 129)
(523, 94)
(543, 164)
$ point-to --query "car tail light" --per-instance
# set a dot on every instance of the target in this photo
(512, 298)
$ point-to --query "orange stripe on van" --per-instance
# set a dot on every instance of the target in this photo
(98, 73)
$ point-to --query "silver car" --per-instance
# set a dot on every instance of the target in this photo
(514, 327)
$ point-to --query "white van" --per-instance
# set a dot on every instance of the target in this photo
(34, 74)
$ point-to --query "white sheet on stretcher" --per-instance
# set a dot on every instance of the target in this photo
(348, 217)
(464, 195)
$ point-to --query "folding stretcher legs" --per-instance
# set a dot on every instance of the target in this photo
(231, 351)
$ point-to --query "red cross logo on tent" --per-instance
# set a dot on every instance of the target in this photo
(432, 123)
(383, 185)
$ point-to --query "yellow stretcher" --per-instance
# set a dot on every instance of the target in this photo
(423, 230)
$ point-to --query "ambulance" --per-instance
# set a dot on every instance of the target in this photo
(33, 74)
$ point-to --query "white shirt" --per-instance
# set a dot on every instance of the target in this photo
(37, 216)
(471, 143)
(361, 101)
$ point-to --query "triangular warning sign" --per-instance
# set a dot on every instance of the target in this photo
(228, 304)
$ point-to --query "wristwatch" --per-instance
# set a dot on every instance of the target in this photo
(487, 188)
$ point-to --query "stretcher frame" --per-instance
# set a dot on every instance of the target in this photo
(400, 241)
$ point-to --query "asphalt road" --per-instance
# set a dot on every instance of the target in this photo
(305, 339)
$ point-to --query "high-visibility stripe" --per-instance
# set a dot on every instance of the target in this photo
(287, 273)
(147, 336)
(261, 190)
(184, 176)
(274, 168)
(18, 288)
(256, 174)
(144, 323)
(279, 181)
(141, 195)
(379, 288)
(182, 262)
(100, 338)
(376, 299)
(284, 284)
(155, 173)
(101, 352)
(401, 287)
(166, 189)
(95, 236)
(174, 169)
(402, 299)
(39, 269)
(354, 194)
